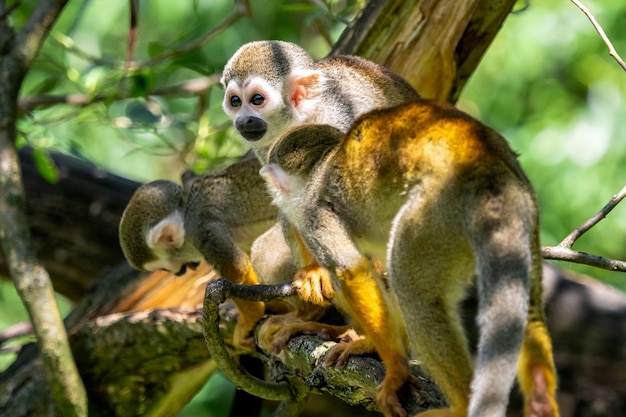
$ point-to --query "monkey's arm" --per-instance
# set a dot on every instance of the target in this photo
(213, 240)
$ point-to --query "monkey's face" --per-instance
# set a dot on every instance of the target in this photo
(174, 260)
(257, 109)
(168, 248)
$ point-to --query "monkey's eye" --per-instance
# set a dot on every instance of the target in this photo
(235, 101)
(257, 99)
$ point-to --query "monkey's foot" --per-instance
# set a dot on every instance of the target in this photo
(314, 285)
(277, 331)
(541, 402)
(351, 344)
(250, 313)
(396, 374)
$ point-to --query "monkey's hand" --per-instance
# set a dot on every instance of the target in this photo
(277, 331)
(314, 284)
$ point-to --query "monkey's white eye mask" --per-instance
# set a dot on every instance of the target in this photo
(256, 108)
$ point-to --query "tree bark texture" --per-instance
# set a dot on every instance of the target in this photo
(19, 49)
(74, 221)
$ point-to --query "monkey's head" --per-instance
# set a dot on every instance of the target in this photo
(270, 86)
(292, 159)
(152, 230)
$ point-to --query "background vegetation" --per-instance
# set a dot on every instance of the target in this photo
(547, 83)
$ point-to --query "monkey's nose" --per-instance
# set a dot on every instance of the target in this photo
(251, 128)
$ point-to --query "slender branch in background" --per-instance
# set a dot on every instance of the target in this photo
(132, 31)
(600, 31)
(29, 276)
(563, 251)
(17, 330)
(242, 8)
(583, 228)
(8, 10)
(195, 86)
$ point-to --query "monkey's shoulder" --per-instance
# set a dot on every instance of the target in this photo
(300, 149)
(427, 132)
(359, 76)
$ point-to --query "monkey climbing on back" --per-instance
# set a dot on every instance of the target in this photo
(273, 86)
(442, 199)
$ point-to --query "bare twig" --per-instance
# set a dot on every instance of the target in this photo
(580, 230)
(9, 9)
(560, 253)
(17, 330)
(35, 30)
(600, 31)
(563, 251)
(195, 86)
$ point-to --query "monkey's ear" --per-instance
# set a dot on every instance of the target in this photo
(168, 233)
(304, 84)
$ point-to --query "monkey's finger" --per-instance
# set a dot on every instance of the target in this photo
(415, 383)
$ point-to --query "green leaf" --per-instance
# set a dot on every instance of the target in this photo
(45, 165)
(155, 49)
(141, 83)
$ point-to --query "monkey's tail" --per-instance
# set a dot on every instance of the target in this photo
(502, 233)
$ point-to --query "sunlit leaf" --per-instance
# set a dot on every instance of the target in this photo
(45, 165)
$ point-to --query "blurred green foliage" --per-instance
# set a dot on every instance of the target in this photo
(146, 135)
(547, 84)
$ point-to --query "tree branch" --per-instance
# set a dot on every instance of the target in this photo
(560, 253)
(33, 285)
(30, 38)
(194, 86)
(242, 8)
(30, 278)
(582, 229)
(21, 329)
(563, 251)
(301, 364)
(435, 46)
(600, 31)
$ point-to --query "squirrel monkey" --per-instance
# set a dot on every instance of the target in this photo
(171, 227)
(273, 86)
(443, 200)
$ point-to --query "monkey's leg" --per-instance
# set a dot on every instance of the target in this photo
(429, 265)
(536, 372)
(232, 263)
(365, 300)
(277, 331)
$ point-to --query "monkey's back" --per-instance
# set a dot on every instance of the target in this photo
(426, 146)
(365, 84)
